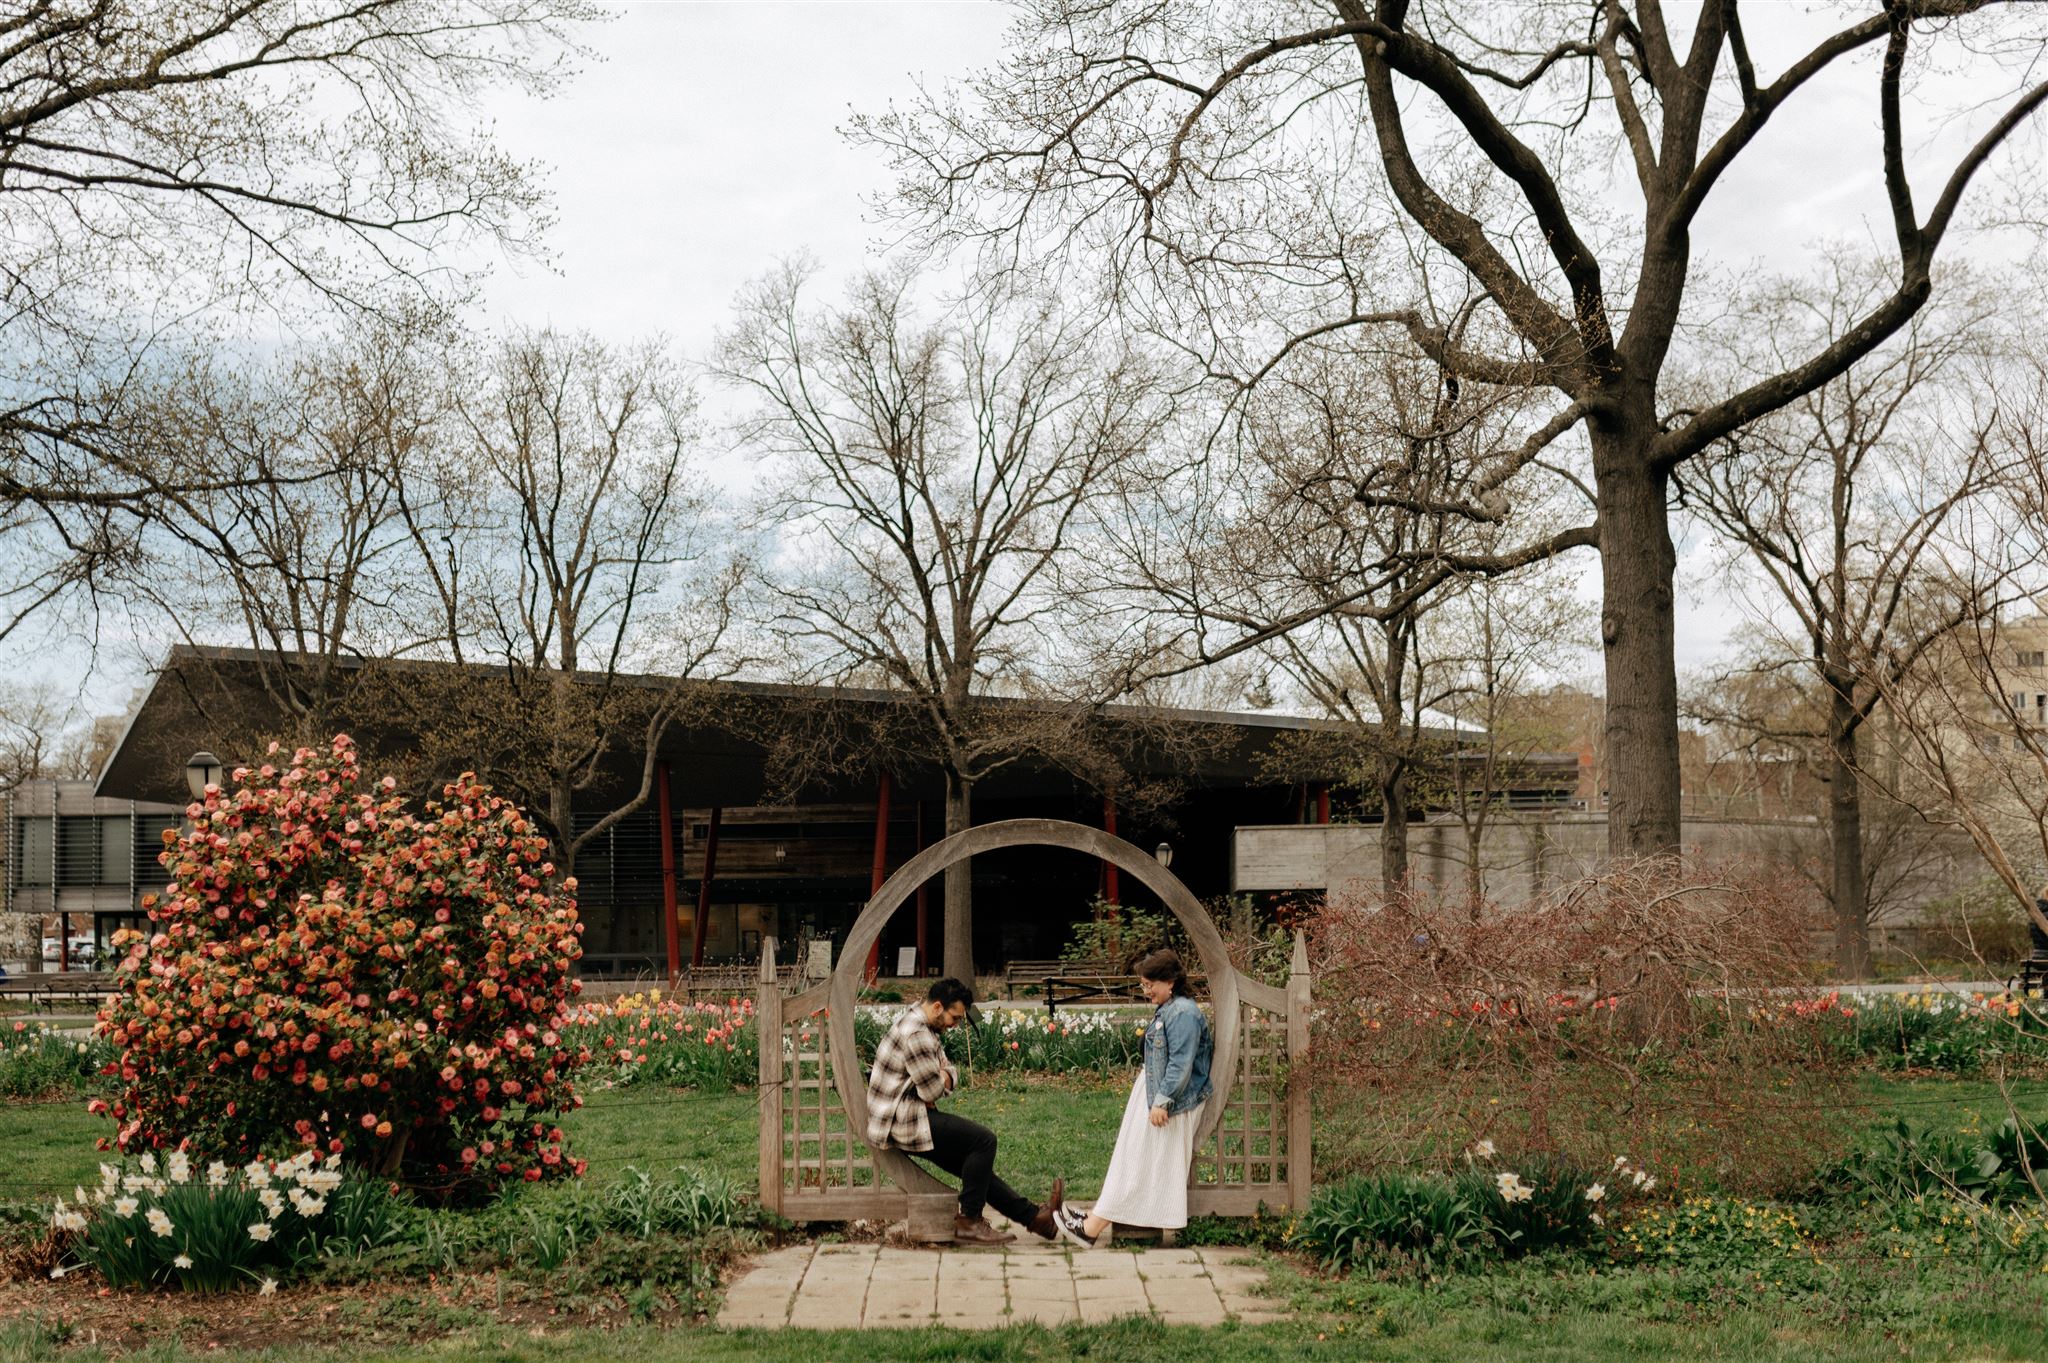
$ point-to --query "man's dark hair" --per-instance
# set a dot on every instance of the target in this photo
(950, 991)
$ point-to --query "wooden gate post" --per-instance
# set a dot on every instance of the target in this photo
(768, 1032)
(1300, 1156)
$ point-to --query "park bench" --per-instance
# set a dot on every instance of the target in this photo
(46, 989)
(718, 982)
(1018, 975)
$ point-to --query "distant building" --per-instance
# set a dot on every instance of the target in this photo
(77, 867)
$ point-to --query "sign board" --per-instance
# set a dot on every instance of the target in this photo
(906, 961)
(820, 963)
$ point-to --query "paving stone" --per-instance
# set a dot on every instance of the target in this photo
(1098, 1310)
(1044, 1312)
(1172, 1269)
(1046, 1289)
(816, 1314)
(1262, 1317)
(1106, 1265)
(1194, 1313)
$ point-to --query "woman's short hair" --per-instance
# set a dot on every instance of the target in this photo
(1164, 966)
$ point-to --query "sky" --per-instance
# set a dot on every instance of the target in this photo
(700, 143)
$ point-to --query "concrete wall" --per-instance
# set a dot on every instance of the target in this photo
(1522, 855)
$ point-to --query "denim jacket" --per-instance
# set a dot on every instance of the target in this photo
(1178, 1051)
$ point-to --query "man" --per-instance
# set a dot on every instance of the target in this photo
(911, 1074)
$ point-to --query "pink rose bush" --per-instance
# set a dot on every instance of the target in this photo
(332, 971)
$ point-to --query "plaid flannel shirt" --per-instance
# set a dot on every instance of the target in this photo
(910, 1072)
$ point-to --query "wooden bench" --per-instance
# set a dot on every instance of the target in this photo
(718, 982)
(1026, 973)
(45, 989)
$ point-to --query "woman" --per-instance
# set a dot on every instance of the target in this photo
(1147, 1184)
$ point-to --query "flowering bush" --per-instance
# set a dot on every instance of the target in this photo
(230, 1228)
(1543, 1203)
(36, 1061)
(1759, 1239)
(376, 984)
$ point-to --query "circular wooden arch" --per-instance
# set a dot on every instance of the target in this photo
(867, 929)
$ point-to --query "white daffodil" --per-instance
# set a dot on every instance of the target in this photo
(259, 1231)
(269, 1288)
(180, 1167)
(273, 1203)
(1483, 1149)
(182, 1261)
(1512, 1189)
(217, 1175)
(125, 1206)
(257, 1173)
(1595, 1192)
(81, 1197)
(158, 1222)
(59, 1271)
(148, 1162)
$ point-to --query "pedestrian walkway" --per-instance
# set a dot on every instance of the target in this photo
(882, 1287)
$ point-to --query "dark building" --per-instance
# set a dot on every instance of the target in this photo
(78, 866)
(798, 866)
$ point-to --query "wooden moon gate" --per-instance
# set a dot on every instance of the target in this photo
(1252, 1146)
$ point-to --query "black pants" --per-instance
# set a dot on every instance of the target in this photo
(967, 1150)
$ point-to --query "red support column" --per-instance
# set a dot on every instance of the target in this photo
(880, 870)
(1111, 891)
(672, 932)
(923, 909)
(1322, 802)
(703, 923)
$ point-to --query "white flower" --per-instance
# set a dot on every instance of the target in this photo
(1597, 1221)
(133, 1183)
(148, 1162)
(1595, 1192)
(158, 1222)
(1643, 1180)
(182, 1261)
(82, 1198)
(273, 1205)
(180, 1167)
(59, 1271)
(1621, 1161)
(125, 1206)
(110, 1177)
(260, 1231)
(257, 1174)
(1483, 1149)
(216, 1175)
(269, 1288)
(1512, 1189)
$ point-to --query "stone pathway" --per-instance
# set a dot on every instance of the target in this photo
(877, 1287)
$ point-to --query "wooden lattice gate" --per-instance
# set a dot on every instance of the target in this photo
(1251, 1150)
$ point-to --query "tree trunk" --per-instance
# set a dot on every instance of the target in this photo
(1394, 831)
(1638, 632)
(1845, 831)
(959, 911)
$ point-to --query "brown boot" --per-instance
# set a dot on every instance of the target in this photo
(973, 1231)
(1044, 1225)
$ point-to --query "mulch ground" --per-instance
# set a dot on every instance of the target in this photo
(81, 1310)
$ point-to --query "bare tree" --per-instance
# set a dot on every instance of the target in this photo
(304, 554)
(1838, 502)
(1255, 177)
(180, 159)
(591, 586)
(932, 480)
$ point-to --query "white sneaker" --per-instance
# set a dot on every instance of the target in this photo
(1069, 1223)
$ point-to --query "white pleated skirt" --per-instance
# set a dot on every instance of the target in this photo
(1147, 1183)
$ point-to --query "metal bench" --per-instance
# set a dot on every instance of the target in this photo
(45, 989)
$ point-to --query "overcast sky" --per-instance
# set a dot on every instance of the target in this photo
(701, 143)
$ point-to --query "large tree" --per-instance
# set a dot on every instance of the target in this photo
(1257, 176)
(932, 477)
(166, 162)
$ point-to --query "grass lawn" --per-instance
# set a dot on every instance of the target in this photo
(1527, 1312)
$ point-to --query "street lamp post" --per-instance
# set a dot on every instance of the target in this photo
(202, 769)
(1164, 851)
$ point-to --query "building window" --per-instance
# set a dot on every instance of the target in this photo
(2034, 658)
(34, 855)
(117, 849)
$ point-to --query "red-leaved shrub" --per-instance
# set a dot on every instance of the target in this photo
(332, 970)
(1654, 1011)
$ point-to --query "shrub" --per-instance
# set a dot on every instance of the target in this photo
(230, 1228)
(39, 1062)
(1939, 1030)
(1717, 1232)
(1900, 1163)
(1631, 991)
(1394, 1219)
(335, 970)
